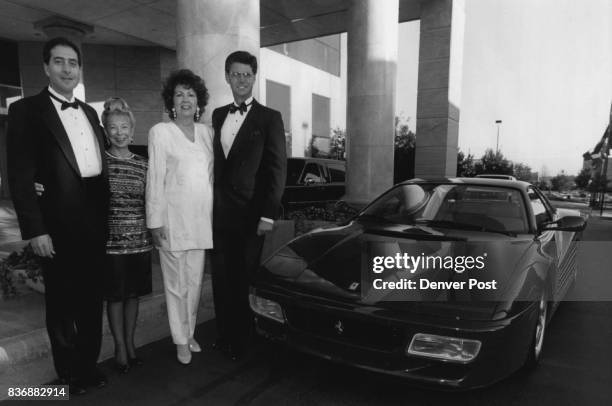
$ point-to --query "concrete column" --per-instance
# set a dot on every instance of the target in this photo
(439, 87)
(371, 76)
(207, 32)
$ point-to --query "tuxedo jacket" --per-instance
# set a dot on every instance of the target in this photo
(39, 150)
(250, 181)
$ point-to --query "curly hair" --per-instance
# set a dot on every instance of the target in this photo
(190, 80)
(116, 106)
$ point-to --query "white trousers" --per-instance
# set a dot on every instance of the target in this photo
(182, 272)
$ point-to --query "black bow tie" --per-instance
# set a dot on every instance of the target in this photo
(65, 104)
(242, 108)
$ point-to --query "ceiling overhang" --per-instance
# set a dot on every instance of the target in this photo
(153, 22)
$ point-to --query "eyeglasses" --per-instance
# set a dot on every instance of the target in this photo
(243, 75)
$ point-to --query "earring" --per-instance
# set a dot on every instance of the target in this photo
(196, 116)
(173, 114)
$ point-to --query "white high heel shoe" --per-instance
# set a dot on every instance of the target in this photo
(194, 346)
(183, 354)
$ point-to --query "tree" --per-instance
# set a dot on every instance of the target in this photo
(337, 144)
(404, 141)
(404, 138)
(543, 184)
(494, 162)
(522, 172)
(465, 165)
(403, 158)
(583, 178)
(561, 182)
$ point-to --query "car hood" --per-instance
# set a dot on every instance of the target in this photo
(337, 263)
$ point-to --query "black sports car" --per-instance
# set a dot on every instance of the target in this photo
(449, 282)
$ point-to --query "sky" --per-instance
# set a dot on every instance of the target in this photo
(543, 67)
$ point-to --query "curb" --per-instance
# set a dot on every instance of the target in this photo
(25, 359)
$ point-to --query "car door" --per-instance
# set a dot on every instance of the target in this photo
(336, 186)
(295, 168)
(313, 183)
(566, 253)
(547, 240)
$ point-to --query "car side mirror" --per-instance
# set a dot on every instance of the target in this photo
(309, 181)
(567, 223)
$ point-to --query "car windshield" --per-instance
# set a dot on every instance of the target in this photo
(454, 206)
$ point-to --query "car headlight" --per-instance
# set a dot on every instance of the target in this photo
(451, 349)
(266, 308)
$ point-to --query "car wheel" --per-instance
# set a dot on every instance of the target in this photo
(537, 341)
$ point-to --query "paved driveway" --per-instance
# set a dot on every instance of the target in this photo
(576, 368)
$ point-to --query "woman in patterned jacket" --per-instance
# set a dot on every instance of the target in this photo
(128, 250)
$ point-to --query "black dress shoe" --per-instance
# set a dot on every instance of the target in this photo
(221, 345)
(234, 353)
(135, 362)
(95, 378)
(122, 368)
(74, 387)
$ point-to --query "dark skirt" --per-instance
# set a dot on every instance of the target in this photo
(127, 276)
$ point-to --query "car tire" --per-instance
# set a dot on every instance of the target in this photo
(537, 340)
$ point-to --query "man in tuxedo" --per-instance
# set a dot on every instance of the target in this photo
(56, 140)
(250, 171)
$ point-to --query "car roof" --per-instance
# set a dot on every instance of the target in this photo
(495, 176)
(322, 160)
(517, 184)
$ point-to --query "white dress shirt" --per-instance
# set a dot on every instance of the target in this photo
(232, 125)
(81, 136)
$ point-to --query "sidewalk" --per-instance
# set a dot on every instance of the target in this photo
(25, 357)
(606, 214)
(25, 352)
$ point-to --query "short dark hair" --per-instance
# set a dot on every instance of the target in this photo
(188, 79)
(241, 57)
(52, 43)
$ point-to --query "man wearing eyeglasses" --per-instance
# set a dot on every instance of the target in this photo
(250, 171)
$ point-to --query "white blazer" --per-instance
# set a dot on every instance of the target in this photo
(180, 186)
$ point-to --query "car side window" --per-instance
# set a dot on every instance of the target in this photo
(336, 173)
(324, 172)
(294, 170)
(312, 174)
(538, 207)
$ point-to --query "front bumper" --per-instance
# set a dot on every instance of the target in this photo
(376, 339)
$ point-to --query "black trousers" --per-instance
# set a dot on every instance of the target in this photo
(74, 288)
(235, 259)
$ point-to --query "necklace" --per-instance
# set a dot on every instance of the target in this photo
(120, 155)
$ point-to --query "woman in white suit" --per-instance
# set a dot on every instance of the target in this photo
(179, 202)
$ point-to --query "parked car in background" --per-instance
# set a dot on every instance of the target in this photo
(318, 293)
(313, 181)
(310, 181)
(558, 196)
